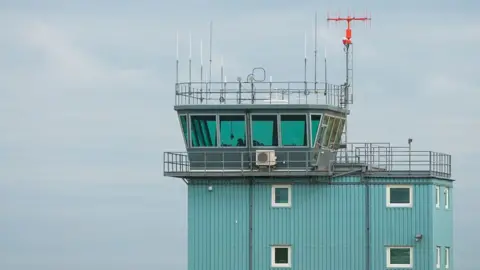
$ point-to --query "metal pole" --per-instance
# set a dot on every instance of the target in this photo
(410, 154)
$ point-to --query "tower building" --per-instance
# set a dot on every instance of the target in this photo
(273, 183)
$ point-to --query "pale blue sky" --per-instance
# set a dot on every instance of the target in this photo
(86, 95)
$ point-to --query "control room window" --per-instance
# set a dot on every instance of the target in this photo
(232, 130)
(447, 199)
(281, 196)
(281, 256)
(265, 130)
(329, 122)
(314, 125)
(294, 130)
(183, 123)
(437, 196)
(399, 257)
(338, 137)
(399, 196)
(204, 130)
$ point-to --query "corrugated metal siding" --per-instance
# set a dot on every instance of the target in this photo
(218, 227)
(443, 223)
(398, 226)
(325, 225)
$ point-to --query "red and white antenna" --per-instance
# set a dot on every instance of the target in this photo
(346, 94)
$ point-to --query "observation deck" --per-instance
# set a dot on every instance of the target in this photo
(281, 129)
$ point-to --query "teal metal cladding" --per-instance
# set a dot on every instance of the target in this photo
(325, 226)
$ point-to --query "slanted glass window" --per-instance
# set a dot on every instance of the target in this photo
(265, 130)
(334, 131)
(183, 123)
(338, 137)
(232, 130)
(399, 196)
(281, 256)
(323, 131)
(294, 130)
(328, 131)
(203, 130)
(281, 196)
(315, 123)
(399, 257)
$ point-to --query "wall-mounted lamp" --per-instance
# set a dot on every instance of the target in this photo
(210, 188)
(418, 237)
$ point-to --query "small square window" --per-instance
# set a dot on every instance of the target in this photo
(281, 196)
(281, 256)
(447, 202)
(399, 196)
(399, 257)
(447, 257)
(438, 257)
(437, 196)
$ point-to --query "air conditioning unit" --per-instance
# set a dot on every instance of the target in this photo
(265, 158)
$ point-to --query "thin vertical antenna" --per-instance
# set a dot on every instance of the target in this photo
(315, 54)
(325, 58)
(305, 65)
(176, 68)
(222, 89)
(201, 70)
(190, 67)
(210, 61)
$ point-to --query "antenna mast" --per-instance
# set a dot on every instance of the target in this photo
(346, 95)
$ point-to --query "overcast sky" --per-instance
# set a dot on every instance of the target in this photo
(86, 95)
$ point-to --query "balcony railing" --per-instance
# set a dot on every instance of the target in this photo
(259, 93)
(378, 157)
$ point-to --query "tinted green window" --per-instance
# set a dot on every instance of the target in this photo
(281, 195)
(399, 195)
(400, 256)
(183, 123)
(294, 130)
(232, 130)
(281, 255)
(265, 130)
(204, 130)
(315, 123)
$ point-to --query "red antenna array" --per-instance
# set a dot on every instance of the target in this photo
(347, 40)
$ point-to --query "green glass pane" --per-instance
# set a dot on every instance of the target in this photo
(232, 130)
(399, 256)
(183, 123)
(281, 195)
(315, 123)
(204, 131)
(265, 130)
(399, 195)
(294, 130)
(281, 255)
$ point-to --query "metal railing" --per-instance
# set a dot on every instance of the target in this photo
(259, 92)
(379, 157)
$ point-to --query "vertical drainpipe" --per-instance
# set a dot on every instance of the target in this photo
(248, 141)
(367, 220)
(250, 227)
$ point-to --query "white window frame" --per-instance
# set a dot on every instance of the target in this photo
(447, 198)
(389, 265)
(282, 265)
(438, 257)
(289, 203)
(410, 204)
(437, 196)
(447, 257)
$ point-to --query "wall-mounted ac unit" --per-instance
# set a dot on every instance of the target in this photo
(265, 158)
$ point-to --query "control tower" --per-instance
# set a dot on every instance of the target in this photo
(272, 184)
